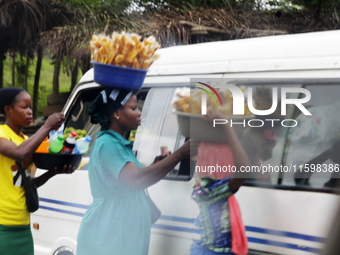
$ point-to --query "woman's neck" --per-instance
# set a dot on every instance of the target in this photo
(121, 132)
(117, 129)
(16, 129)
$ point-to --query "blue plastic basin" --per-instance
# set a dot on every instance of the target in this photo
(118, 76)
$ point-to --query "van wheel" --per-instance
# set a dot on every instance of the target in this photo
(64, 250)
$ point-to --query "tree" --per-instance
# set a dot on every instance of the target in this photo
(322, 12)
(19, 21)
(71, 41)
(36, 82)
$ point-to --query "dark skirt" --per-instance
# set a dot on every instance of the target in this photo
(16, 240)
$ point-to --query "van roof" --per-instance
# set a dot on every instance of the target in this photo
(307, 51)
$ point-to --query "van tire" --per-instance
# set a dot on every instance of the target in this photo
(64, 250)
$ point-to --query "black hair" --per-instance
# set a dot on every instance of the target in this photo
(106, 103)
(8, 96)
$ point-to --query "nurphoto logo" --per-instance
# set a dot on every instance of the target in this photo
(204, 97)
(239, 102)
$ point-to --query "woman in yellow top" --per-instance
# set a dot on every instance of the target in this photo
(15, 232)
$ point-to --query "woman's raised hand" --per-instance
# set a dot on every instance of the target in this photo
(55, 120)
(213, 114)
(189, 149)
(161, 157)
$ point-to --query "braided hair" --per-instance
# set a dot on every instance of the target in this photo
(106, 103)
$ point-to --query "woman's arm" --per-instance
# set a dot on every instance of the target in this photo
(42, 179)
(142, 178)
(240, 159)
(28, 147)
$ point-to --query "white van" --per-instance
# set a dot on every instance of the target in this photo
(281, 216)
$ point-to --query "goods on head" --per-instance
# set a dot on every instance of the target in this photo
(124, 50)
(190, 101)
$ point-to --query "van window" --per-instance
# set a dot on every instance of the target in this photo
(79, 119)
(265, 145)
(159, 128)
(310, 145)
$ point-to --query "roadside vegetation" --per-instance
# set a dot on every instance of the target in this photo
(45, 84)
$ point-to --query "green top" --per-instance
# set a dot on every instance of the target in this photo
(119, 219)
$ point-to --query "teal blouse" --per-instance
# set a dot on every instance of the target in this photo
(119, 219)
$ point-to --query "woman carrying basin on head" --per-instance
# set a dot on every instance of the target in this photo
(220, 219)
(15, 232)
(119, 219)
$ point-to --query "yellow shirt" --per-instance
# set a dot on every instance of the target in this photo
(13, 210)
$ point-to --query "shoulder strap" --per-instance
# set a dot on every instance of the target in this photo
(23, 174)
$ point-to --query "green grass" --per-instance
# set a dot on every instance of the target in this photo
(45, 82)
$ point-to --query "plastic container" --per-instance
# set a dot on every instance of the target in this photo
(57, 144)
(53, 135)
(82, 145)
(43, 147)
(51, 161)
(118, 76)
(69, 144)
(61, 129)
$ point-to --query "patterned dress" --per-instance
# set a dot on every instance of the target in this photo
(212, 198)
(220, 216)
